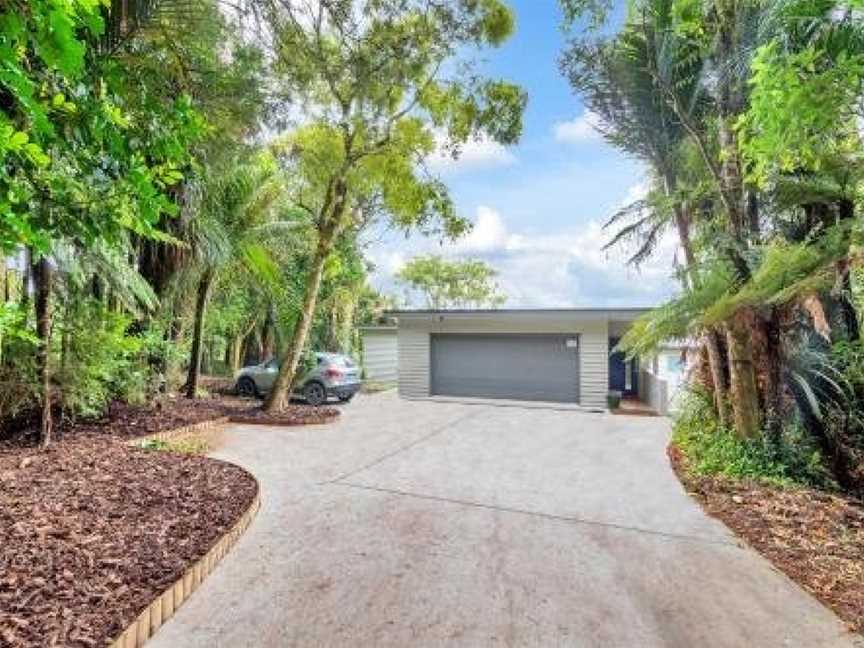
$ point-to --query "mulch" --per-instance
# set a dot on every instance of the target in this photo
(92, 529)
(130, 421)
(814, 537)
(292, 415)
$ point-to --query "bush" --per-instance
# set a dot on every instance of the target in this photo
(98, 361)
(711, 449)
(19, 387)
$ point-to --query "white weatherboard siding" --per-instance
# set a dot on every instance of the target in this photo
(594, 372)
(592, 331)
(413, 362)
(380, 354)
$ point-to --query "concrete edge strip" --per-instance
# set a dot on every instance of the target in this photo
(163, 607)
(548, 516)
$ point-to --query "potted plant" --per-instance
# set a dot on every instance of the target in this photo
(613, 399)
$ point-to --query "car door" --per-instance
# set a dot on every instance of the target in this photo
(267, 376)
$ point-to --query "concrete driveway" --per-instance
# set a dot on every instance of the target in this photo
(447, 524)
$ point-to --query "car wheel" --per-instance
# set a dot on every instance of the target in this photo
(315, 393)
(346, 399)
(246, 387)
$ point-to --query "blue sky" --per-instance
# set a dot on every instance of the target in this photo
(537, 207)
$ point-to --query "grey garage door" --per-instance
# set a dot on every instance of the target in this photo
(522, 367)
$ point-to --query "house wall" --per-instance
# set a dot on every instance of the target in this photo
(654, 391)
(414, 348)
(380, 354)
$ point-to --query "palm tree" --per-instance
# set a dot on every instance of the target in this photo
(637, 83)
(240, 204)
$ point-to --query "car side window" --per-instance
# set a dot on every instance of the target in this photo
(272, 364)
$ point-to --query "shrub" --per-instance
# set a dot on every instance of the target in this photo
(19, 387)
(711, 449)
(97, 360)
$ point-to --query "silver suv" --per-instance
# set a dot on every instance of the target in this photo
(333, 374)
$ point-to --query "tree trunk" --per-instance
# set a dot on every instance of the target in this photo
(212, 355)
(41, 273)
(744, 391)
(268, 335)
(718, 376)
(195, 356)
(843, 293)
(27, 270)
(239, 344)
(814, 307)
(715, 357)
(236, 353)
(774, 373)
(252, 348)
(285, 380)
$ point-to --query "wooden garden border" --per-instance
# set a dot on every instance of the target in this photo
(239, 419)
(186, 430)
(169, 601)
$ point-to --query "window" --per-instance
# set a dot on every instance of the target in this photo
(628, 375)
(674, 364)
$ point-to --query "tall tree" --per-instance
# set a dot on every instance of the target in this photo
(624, 81)
(69, 171)
(380, 82)
(468, 283)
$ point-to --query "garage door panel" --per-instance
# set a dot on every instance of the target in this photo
(524, 367)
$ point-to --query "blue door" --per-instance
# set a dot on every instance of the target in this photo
(623, 373)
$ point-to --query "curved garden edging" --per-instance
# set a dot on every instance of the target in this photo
(184, 431)
(163, 607)
(166, 604)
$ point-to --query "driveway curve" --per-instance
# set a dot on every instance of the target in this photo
(420, 523)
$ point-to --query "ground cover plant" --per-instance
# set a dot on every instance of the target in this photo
(779, 494)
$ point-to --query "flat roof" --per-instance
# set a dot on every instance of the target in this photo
(521, 311)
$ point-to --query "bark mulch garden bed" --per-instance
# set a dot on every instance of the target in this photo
(816, 538)
(92, 529)
(291, 415)
(131, 421)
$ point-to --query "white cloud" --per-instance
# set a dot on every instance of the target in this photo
(488, 234)
(475, 154)
(387, 262)
(580, 129)
(566, 268)
(636, 192)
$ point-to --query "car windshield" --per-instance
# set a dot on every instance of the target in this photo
(337, 360)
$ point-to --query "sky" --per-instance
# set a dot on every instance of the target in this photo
(538, 208)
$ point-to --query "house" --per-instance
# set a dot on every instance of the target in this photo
(380, 358)
(560, 355)
(669, 364)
